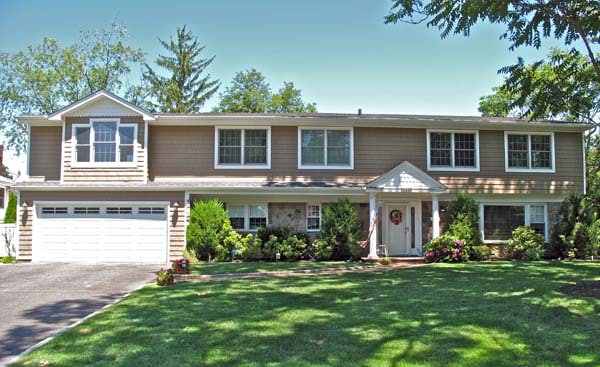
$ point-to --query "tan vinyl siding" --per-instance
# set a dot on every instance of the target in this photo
(44, 152)
(118, 174)
(176, 222)
(183, 151)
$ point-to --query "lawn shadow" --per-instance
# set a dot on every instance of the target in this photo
(500, 314)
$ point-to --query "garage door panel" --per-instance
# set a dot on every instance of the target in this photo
(100, 237)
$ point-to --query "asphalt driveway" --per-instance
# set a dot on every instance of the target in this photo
(37, 300)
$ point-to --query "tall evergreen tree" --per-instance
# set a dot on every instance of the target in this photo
(188, 87)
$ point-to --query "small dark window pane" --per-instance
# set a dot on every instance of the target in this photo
(255, 146)
(312, 224)
(440, 149)
(338, 148)
(126, 153)
(464, 150)
(230, 146)
(83, 135)
(500, 220)
(541, 151)
(539, 228)
(105, 152)
(82, 153)
(237, 222)
(313, 147)
(518, 151)
(126, 135)
(256, 223)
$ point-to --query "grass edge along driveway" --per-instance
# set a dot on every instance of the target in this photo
(487, 314)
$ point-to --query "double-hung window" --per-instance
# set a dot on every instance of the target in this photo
(313, 217)
(243, 148)
(453, 150)
(500, 220)
(104, 142)
(325, 148)
(248, 217)
(525, 152)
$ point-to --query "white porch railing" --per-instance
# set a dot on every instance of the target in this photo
(7, 239)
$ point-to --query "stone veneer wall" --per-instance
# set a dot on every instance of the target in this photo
(291, 215)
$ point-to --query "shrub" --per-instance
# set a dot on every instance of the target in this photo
(271, 247)
(462, 216)
(293, 248)
(574, 230)
(8, 260)
(386, 261)
(165, 277)
(525, 244)
(321, 250)
(250, 248)
(446, 249)
(480, 253)
(208, 229)
(10, 216)
(340, 229)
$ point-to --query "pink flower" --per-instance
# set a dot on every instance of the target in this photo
(446, 250)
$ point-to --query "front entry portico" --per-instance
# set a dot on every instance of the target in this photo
(395, 203)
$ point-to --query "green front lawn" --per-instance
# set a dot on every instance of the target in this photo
(487, 314)
(261, 267)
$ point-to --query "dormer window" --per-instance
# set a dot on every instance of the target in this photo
(104, 142)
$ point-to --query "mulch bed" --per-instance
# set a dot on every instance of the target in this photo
(582, 289)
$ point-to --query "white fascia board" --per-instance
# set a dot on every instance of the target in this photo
(57, 116)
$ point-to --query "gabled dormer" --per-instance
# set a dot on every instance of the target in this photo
(102, 138)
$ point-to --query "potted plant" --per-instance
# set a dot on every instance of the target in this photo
(181, 266)
(164, 277)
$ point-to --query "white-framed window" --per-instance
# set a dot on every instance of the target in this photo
(104, 142)
(529, 152)
(313, 217)
(248, 217)
(2, 194)
(151, 210)
(325, 148)
(243, 147)
(498, 220)
(452, 150)
(54, 210)
(86, 210)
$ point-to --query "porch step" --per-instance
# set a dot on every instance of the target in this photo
(402, 260)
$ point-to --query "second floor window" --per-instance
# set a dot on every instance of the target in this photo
(453, 150)
(104, 142)
(325, 148)
(529, 152)
(243, 148)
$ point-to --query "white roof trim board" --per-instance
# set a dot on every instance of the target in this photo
(95, 97)
(406, 177)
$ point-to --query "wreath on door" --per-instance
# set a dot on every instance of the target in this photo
(396, 217)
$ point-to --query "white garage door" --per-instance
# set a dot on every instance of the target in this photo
(93, 233)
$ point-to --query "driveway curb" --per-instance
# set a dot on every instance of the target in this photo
(69, 327)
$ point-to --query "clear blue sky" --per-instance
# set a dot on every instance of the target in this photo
(339, 53)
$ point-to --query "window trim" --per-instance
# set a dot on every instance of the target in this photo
(94, 164)
(218, 165)
(320, 216)
(452, 167)
(325, 166)
(527, 213)
(247, 215)
(529, 152)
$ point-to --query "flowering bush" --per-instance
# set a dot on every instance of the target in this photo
(525, 244)
(165, 277)
(445, 249)
(181, 266)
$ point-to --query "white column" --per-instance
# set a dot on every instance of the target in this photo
(373, 219)
(435, 208)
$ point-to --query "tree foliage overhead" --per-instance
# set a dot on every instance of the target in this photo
(187, 88)
(249, 92)
(564, 86)
(48, 76)
(527, 21)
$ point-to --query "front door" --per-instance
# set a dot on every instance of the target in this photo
(398, 224)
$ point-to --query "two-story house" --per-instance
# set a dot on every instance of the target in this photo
(109, 181)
